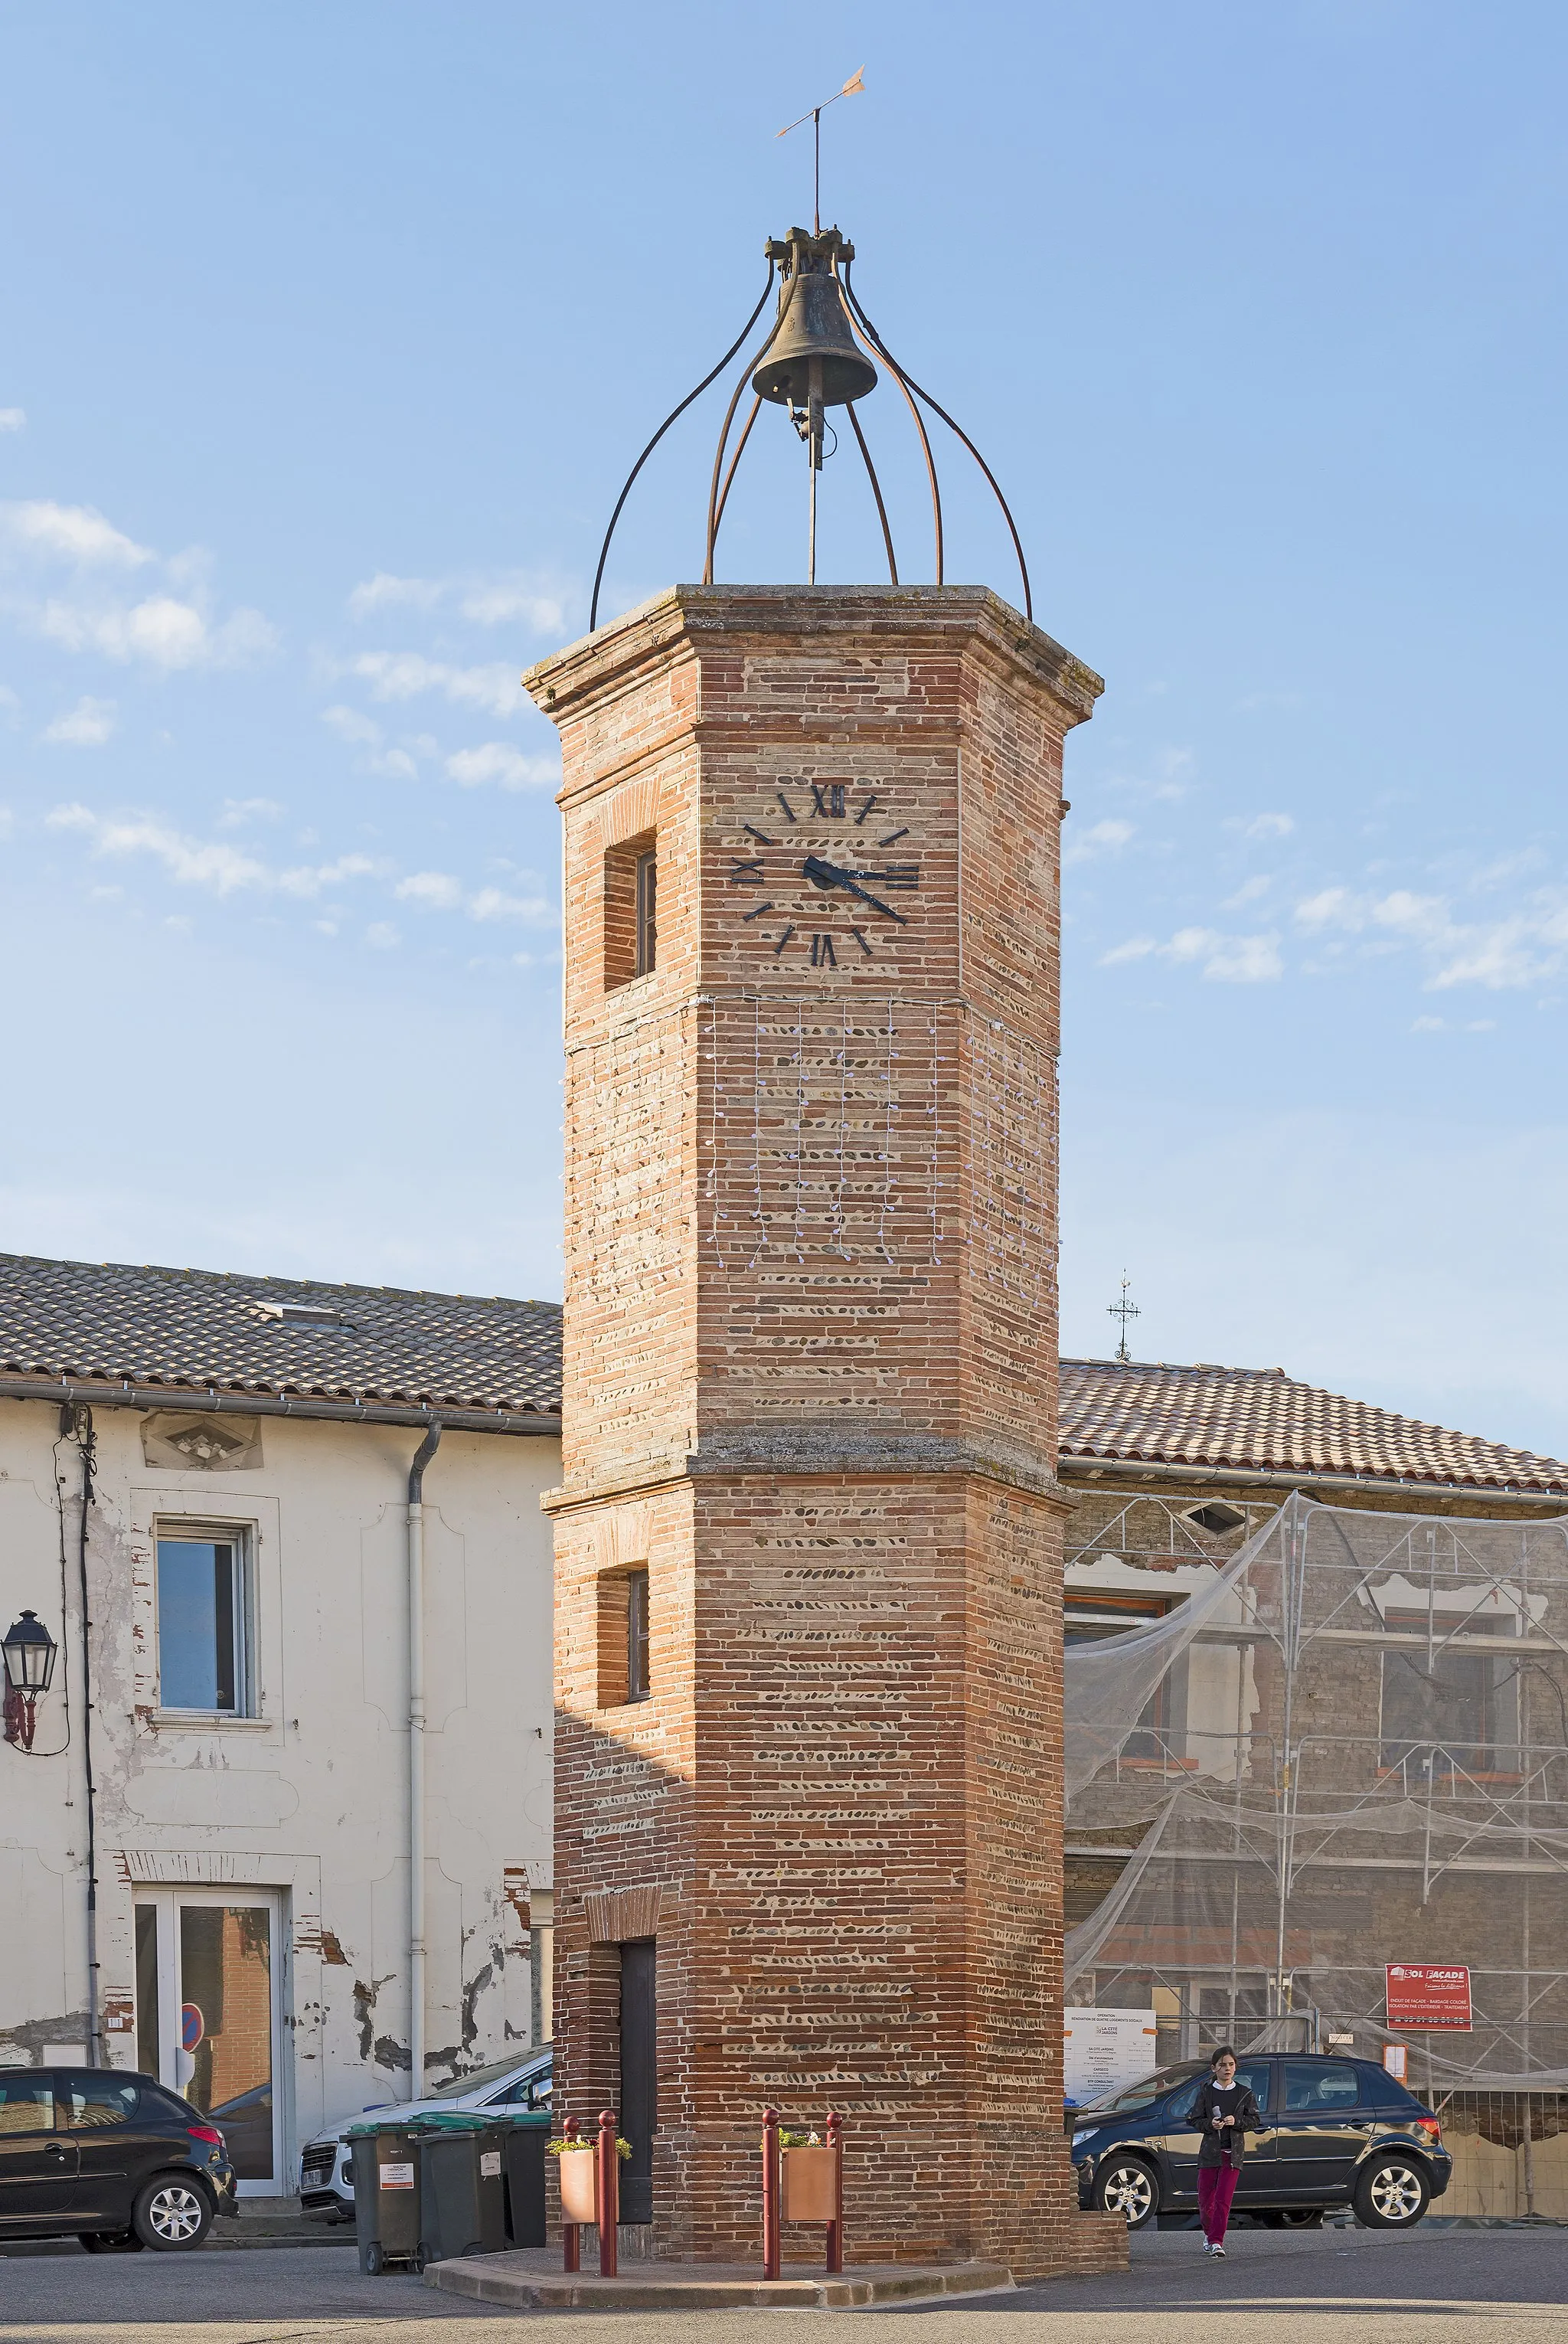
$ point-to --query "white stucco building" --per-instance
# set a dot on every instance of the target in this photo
(245, 1444)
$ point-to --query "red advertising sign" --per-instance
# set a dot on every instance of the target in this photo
(1428, 1994)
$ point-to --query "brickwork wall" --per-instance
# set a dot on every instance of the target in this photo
(810, 1379)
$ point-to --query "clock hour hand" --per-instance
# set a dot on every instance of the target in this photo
(827, 875)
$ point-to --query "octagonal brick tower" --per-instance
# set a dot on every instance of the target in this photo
(808, 1851)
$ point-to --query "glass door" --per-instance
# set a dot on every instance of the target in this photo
(207, 2014)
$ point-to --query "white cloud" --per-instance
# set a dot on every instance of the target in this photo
(350, 725)
(1099, 838)
(86, 726)
(1523, 948)
(384, 593)
(490, 903)
(210, 863)
(75, 534)
(1248, 892)
(439, 891)
(164, 633)
(436, 889)
(1227, 960)
(497, 760)
(169, 627)
(13, 419)
(237, 812)
(382, 935)
(508, 596)
(492, 605)
(402, 675)
(1262, 826)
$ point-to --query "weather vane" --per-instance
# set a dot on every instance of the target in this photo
(1124, 1310)
(854, 87)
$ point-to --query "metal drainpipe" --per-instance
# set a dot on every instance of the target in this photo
(422, 1456)
(76, 1424)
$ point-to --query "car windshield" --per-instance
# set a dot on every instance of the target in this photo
(1141, 2095)
(464, 2084)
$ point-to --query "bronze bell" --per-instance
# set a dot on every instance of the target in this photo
(815, 355)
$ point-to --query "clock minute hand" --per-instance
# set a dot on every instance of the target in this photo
(827, 875)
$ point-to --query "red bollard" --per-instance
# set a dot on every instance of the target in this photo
(608, 2192)
(836, 2226)
(571, 2240)
(772, 2260)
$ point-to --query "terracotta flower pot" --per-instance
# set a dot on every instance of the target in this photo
(810, 2185)
(579, 2199)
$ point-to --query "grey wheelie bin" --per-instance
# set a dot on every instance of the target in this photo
(525, 2138)
(386, 2219)
(462, 2186)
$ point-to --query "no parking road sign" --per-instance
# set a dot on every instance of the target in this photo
(1428, 1994)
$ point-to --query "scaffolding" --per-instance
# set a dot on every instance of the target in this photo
(1341, 1745)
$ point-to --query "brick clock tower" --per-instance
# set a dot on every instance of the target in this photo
(809, 1616)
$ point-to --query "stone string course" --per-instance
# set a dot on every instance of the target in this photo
(810, 1385)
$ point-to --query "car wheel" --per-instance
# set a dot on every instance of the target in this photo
(171, 2214)
(1125, 2185)
(111, 2242)
(1392, 2194)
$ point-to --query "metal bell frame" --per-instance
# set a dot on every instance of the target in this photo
(832, 248)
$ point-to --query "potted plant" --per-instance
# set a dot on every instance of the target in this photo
(808, 2167)
(578, 2171)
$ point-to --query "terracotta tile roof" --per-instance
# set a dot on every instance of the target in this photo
(1260, 1419)
(199, 1330)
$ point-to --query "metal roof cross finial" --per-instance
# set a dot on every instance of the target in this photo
(1124, 1310)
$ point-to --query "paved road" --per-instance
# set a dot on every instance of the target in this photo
(1332, 2287)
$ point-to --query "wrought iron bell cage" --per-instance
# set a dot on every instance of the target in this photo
(820, 351)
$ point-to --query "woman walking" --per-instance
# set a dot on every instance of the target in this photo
(1225, 2112)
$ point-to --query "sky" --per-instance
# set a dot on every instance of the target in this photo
(332, 330)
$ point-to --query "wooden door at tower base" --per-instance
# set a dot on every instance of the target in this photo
(638, 2072)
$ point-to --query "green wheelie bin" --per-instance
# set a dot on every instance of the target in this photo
(462, 2185)
(526, 2138)
(387, 2215)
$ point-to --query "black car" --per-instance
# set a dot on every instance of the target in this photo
(118, 2159)
(1336, 2132)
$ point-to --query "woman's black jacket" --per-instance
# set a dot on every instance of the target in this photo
(1249, 2118)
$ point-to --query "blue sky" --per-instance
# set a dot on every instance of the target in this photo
(331, 331)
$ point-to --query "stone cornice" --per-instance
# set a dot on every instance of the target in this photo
(811, 1453)
(614, 657)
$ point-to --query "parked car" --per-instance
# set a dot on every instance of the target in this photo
(326, 2164)
(116, 2158)
(1337, 2132)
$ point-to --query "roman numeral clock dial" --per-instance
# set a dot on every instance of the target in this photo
(823, 877)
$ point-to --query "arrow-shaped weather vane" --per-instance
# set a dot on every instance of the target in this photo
(854, 87)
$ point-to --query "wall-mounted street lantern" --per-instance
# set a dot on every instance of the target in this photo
(29, 1651)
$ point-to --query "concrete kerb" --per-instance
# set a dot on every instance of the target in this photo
(524, 2280)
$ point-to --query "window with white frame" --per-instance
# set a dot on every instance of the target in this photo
(205, 1619)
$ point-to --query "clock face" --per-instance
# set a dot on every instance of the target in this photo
(825, 873)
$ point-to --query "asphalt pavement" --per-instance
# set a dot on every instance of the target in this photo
(1308, 2287)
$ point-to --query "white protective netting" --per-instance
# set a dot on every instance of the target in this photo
(1347, 1747)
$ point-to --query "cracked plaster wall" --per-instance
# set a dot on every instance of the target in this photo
(309, 1798)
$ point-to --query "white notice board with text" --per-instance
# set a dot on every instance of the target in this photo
(1104, 2051)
